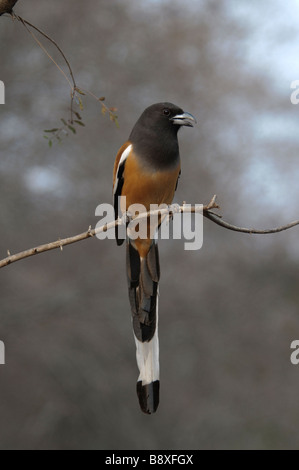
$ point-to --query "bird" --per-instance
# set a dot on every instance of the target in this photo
(146, 171)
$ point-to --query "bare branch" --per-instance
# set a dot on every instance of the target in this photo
(206, 211)
(6, 7)
(218, 220)
(26, 23)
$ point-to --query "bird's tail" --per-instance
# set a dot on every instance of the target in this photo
(143, 277)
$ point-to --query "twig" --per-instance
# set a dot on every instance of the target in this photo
(206, 211)
(26, 23)
(105, 108)
(75, 90)
(216, 218)
(72, 82)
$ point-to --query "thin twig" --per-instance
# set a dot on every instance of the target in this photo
(25, 23)
(75, 90)
(105, 108)
(53, 42)
(216, 218)
(206, 211)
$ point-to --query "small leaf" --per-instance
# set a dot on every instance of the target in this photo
(63, 121)
(50, 143)
(55, 129)
(78, 115)
(104, 110)
(80, 104)
(102, 98)
(113, 117)
(71, 128)
(80, 123)
(79, 91)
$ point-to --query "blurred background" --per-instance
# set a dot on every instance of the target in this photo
(229, 311)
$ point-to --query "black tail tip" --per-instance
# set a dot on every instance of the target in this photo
(148, 396)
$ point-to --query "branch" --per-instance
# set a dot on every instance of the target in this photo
(175, 208)
(217, 219)
(75, 92)
(26, 23)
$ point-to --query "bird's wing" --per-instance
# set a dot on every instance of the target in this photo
(118, 181)
(177, 181)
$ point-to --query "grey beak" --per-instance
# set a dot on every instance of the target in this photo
(185, 119)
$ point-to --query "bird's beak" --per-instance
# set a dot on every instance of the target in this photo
(185, 119)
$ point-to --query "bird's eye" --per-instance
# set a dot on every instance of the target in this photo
(166, 112)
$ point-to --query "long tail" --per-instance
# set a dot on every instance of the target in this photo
(143, 277)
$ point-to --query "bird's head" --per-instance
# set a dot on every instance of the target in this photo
(165, 116)
(154, 135)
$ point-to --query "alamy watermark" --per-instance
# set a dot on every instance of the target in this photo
(184, 225)
(2, 92)
(295, 94)
(2, 353)
(294, 358)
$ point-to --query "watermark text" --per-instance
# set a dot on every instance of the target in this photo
(2, 92)
(2, 353)
(184, 225)
(294, 358)
(295, 94)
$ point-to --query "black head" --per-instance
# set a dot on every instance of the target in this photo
(154, 135)
(165, 116)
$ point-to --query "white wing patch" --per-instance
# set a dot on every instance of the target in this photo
(122, 159)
